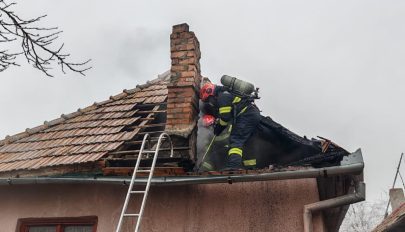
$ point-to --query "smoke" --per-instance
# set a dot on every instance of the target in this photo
(204, 137)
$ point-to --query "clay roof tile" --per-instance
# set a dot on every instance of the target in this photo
(85, 135)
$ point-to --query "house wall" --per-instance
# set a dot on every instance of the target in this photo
(253, 206)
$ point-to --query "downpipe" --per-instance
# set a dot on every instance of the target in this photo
(357, 196)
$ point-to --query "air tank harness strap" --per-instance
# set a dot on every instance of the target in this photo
(244, 102)
(235, 101)
(222, 122)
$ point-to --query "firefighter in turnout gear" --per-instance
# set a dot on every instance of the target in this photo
(238, 111)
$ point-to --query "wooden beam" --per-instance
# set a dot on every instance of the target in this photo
(151, 111)
(146, 119)
(152, 104)
(140, 141)
(137, 151)
(144, 125)
(150, 132)
(133, 158)
(178, 171)
(159, 171)
(148, 116)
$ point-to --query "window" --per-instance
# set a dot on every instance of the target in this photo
(79, 224)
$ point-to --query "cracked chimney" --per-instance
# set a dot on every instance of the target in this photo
(182, 103)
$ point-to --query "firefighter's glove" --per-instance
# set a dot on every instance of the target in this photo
(218, 128)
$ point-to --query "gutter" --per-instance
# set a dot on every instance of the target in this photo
(359, 195)
(352, 164)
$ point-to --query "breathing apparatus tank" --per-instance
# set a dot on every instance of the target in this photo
(239, 87)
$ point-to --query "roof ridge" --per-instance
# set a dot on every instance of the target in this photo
(47, 124)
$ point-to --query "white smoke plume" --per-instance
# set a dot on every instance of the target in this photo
(204, 137)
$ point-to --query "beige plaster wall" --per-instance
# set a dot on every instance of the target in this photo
(256, 206)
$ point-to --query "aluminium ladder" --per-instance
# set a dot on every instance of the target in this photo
(142, 151)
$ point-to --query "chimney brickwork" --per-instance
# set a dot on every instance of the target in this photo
(182, 103)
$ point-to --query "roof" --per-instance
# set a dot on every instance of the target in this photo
(86, 135)
(394, 222)
(113, 127)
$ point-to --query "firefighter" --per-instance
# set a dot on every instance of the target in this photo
(241, 113)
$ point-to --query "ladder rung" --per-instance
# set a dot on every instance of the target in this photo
(131, 215)
(138, 191)
(145, 170)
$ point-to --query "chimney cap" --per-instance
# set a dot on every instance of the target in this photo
(181, 28)
(396, 197)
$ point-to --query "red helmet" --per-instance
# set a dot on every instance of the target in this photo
(206, 91)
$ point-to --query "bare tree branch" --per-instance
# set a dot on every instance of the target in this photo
(6, 60)
(363, 216)
(36, 43)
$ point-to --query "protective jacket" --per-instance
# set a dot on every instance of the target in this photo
(244, 117)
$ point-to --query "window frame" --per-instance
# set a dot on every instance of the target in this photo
(23, 224)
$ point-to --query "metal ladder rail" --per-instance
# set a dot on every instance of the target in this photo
(131, 184)
(159, 143)
(145, 192)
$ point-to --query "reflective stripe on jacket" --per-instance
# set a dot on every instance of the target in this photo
(227, 105)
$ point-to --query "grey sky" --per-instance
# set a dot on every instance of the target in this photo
(329, 68)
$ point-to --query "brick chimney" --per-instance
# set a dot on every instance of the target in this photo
(182, 103)
(396, 198)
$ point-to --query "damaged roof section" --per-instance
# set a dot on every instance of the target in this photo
(88, 134)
